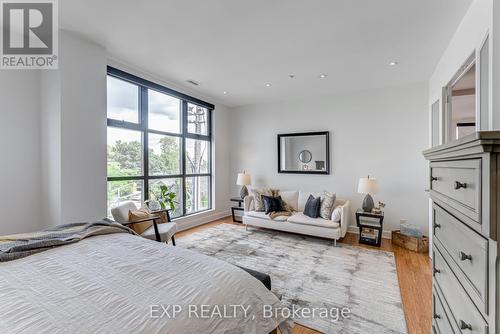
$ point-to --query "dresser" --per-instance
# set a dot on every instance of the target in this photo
(464, 185)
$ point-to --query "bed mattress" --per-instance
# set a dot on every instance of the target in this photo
(121, 283)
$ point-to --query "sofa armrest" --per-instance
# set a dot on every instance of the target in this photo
(248, 203)
(345, 218)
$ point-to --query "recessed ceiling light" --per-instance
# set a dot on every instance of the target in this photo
(322, 76)
(224, 92)
(291, 76)
(393, 63)
(268, 85)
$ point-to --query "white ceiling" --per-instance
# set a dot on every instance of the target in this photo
(238, 46)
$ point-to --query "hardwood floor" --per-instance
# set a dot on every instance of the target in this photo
(414, 275)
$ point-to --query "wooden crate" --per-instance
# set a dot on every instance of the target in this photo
(420, 245)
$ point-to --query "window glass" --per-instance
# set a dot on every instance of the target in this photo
(124, 152)
(164, 112)
(197, 118)
(174, 185)
(164, 155)
(123, 100)
(197, 193)
(124, 191)
(197, 156)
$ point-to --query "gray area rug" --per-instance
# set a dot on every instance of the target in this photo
(311, 272)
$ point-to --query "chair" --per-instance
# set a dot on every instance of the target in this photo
(158, 232)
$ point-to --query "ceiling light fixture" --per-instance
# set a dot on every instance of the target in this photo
(393, 63)
(291, 76)
(224, 92)
(268, 85)
(322, 76)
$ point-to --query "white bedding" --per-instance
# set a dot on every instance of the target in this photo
(107, 284)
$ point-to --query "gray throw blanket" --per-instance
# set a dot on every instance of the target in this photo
(17, 246)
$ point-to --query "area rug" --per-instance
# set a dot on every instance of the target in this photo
(311, 273)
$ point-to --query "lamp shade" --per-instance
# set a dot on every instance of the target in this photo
(367, 185)
(243, 179)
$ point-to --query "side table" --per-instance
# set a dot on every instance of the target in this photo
(371, 221)
(236, 208)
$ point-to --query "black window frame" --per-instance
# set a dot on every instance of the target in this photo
(143, 126)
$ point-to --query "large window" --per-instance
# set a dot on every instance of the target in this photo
(157, 136)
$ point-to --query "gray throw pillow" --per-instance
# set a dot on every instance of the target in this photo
(312, 206)
(327, 205)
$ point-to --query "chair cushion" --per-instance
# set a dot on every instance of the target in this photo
(301, 218)
(120, 213)
(262, 215)
(166, 231)
(291, 198)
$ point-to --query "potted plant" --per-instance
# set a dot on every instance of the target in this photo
(165, 198)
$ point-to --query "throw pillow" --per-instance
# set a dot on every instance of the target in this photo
(312, 206)
(272, 204)
(139, 228)
(257, 198)
(327, 204)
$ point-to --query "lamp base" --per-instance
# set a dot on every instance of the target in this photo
(243, 192)
(368, 204)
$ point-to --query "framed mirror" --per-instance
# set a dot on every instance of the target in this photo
(304, 153)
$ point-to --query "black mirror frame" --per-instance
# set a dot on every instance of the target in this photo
(320, 133)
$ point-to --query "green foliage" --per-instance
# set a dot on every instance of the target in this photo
(167, 197)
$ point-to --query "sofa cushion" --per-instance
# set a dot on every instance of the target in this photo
(257, 198)
(303, 196)
(300, 218)
(291, 198)
(262, 215)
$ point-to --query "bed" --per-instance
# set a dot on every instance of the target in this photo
(122, 283)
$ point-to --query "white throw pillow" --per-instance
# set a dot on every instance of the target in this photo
(291, 198)
(337, 214)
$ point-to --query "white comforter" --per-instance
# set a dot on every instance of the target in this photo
(109, 284)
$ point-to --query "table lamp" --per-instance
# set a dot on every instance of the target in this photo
(368, 186)
(243, 180)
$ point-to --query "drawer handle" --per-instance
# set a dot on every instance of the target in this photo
(436, 271)
(436, 225)
(459, 185)
(437, 316)
(464, 256)
(434, 178)
(464, 325)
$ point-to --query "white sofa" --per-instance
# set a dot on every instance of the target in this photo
(334, 228)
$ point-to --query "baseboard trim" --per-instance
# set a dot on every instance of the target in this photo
(186, 223)
(385, 234)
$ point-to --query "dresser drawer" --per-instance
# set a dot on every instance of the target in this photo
(458, 184)
(469, 252)
(463, 312)
(440, 321)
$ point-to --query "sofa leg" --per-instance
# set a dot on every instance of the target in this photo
(334, 242)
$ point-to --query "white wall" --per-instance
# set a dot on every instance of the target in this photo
(381, 133)
(20, 185)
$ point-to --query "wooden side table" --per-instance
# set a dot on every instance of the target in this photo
(373, 221)
(236, 208)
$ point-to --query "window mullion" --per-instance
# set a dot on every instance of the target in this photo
(183, 153)
(143, 109)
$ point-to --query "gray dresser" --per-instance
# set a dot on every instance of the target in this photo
(464, 187)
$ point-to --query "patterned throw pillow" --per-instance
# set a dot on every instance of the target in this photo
(257, 198)
(327, 205)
